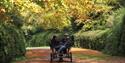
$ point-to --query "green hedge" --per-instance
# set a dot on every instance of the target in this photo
(110, 41)
(41, 39)
(12, 43)
(91, 39)
(116, 38)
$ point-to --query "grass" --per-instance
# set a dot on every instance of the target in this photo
(42, 47)
(95, 57)
(19, 59)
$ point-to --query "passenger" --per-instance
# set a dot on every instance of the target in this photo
(64, 44)
(54, 43)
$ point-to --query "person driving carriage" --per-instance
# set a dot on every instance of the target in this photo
(54, 43)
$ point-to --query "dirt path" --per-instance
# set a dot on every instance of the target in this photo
(79, 56)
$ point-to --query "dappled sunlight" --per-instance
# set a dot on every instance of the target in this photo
(37, 53)
(78, 49)
(89, 61)
(86, 51)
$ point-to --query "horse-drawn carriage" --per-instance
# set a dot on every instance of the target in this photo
(60, 56)
(62, 50)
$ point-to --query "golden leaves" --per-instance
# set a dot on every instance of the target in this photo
(54, 13)
(82, 8)
(2, 10)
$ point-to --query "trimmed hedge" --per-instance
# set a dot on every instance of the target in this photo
(110, 41)
(91, 39)
(41, 39)
(12, 43)
(116, 39)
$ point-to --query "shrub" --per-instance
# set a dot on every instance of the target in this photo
(115, 42)
(41, 39)
(91, 39)
(12, 43)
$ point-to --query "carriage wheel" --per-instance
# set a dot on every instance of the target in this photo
(51, 57)
(60, 58)
(70, 56)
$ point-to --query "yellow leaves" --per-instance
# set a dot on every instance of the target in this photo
(48, 0)
(54, 13)
(103, 8)
(24, 5)
(101, 1)
(54, 19)
(3, 16)
(2, 10)
(81, 8)
(107, 1)
(34, 8)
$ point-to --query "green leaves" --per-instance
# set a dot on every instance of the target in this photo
(12, 43)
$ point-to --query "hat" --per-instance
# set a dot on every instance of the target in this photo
(66, 34)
